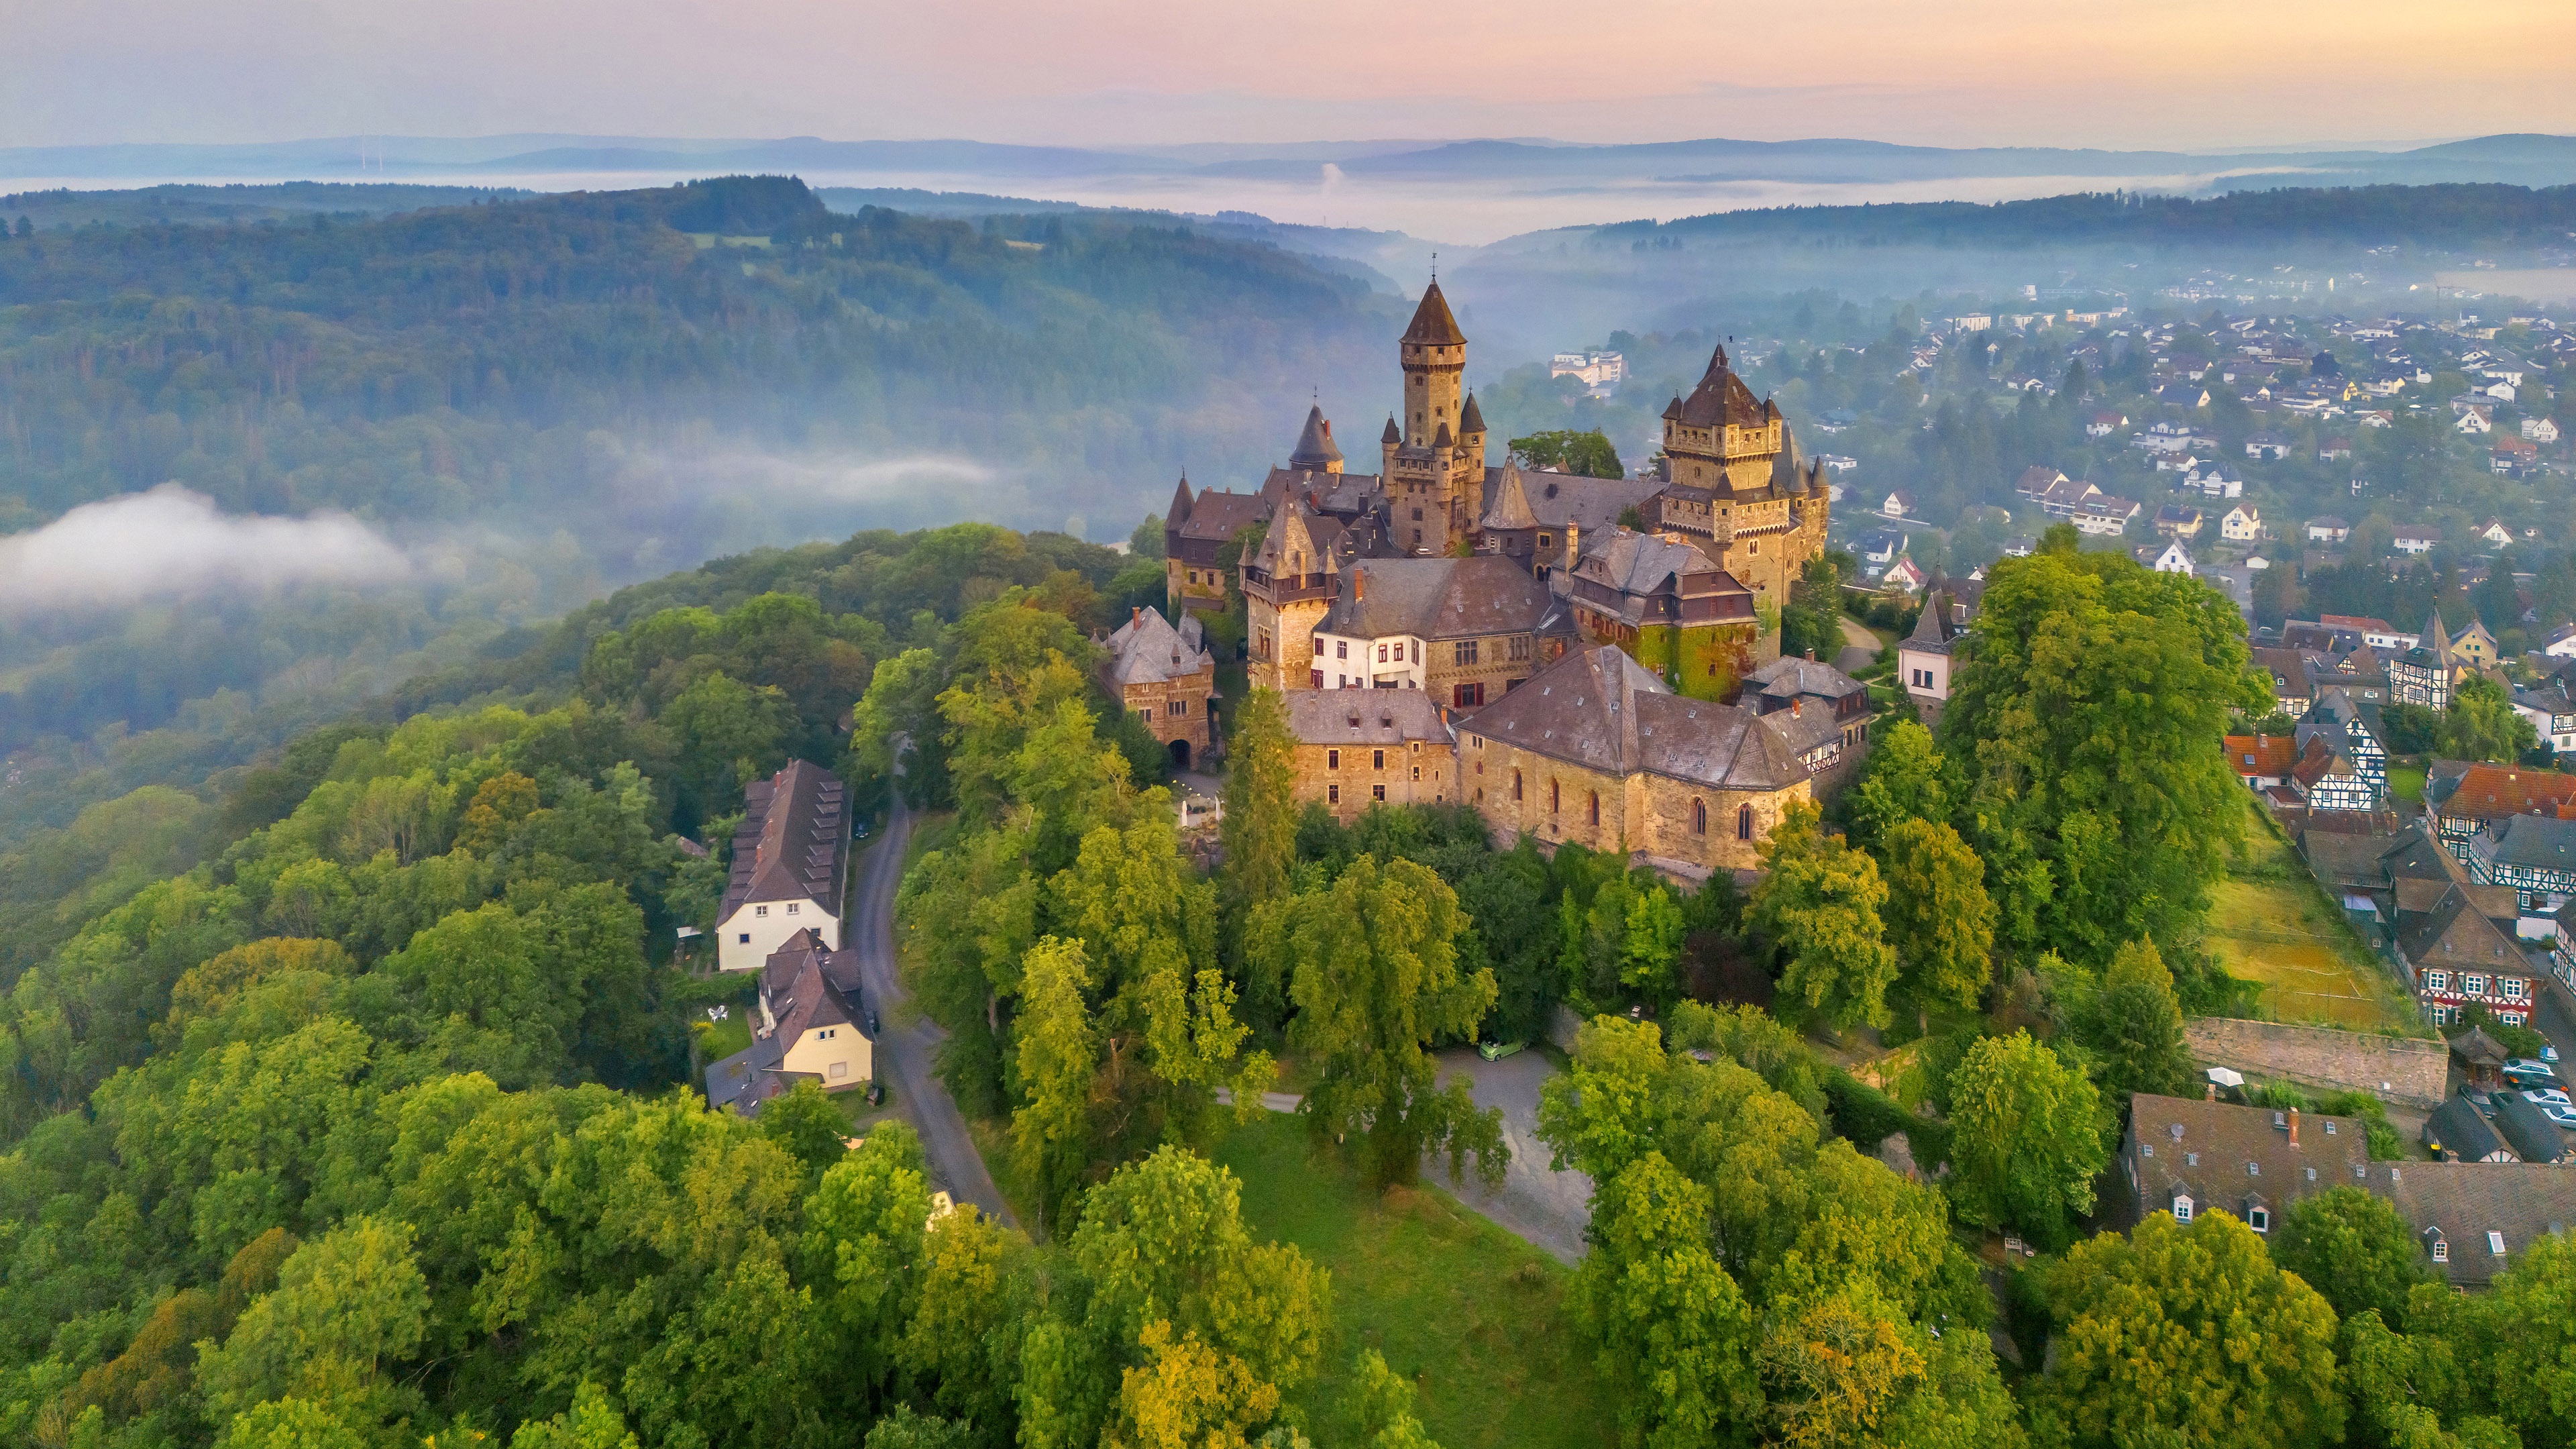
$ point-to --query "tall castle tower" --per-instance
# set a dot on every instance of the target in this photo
(1737, 481)
(1435, 462)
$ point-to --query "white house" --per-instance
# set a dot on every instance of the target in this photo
(1898, 504)
(789, 858)
(2328, 529)
(2474, 420)
(1391, 662)
(2103, 515)
(2414, 540)
(2493, 531)
(2266, 445)
(2170, 557)
(2540, 430)
(2243, 524)
(2500, 390)
(2104, 425)
(2562, 642)
(1905, 574)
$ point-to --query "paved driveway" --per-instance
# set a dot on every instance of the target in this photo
(1548, 1208)
(906, 1048)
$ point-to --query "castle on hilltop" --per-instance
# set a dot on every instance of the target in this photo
(1452, 545)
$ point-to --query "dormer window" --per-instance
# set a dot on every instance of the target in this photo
(760, 910)
(2182, 1207)
(2495, 1243)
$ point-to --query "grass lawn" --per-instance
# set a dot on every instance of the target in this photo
(2272, 924)
(1477, 1318)
(2406, 782)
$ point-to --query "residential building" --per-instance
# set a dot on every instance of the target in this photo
(2534, 854)
(2474, 420)
(2263, 762)
(2458, 1132)
(2473, 1217)
(812, 1027)
(2551, 711)
(1596, 750)
(1598, 370)
(2169, 557)
(1166, 677)
(2494, 532)
(2101, 514)
(2424, 674)
(1464, 629)
(2540, 430)
(2414, 539)
(2465, 797)
(2349, 729)
(2266, 445)
(2562, 642)
(2377, 633)
(2513, 458)
(2103, 425)
(2242, 524)
(2454, 956)
(2329, 776)
(1897, 504)
(2293, 687)
(1905, 575)
(2528, 1130)
(1390, 747)
(1826, 714)
(2178, 520)
(1726, 452)
(2328, 529)
(1924, 658)
(790, 855)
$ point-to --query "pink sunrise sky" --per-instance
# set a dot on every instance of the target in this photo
(2113, 73)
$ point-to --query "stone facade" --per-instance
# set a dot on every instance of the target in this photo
(1739, 486)
(1596, 751)
(1167, 679)
(1354, 750)
(2411, 1073)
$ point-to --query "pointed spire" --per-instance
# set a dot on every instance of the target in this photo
(1393, 434)
(1442, 439)
(1673, 409)
(1471, 420)
(1180, 510)
(1315, 450)
(1717, 359)
(1511, 508)
(1433, 325)
(2434, 638)
(1785, 469)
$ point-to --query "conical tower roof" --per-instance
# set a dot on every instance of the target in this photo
(1315, 448)
(1433, 326)
(1511, 503)
(1720, 398)
(1393, 434)
(1180, 510)
(1471, 419)
(2432, 637)
(1787, 476)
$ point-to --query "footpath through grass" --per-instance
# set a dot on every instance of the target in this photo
(1477, 1318)
(2272, 924)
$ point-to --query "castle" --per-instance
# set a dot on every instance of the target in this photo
(1732, 515)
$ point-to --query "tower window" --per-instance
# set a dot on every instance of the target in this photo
(1744, 822)
(1596, 808)
(1555, 797)
(1699, 817)
(1377, 759)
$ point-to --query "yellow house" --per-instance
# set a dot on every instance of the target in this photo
(812, 1027)
(2243, 524)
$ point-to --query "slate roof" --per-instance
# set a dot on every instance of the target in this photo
(2540, 842)
(1148, 650)
(1721, 398)
(2533, 1136)
(2454, 935)
(1561, 500)
(803, 985)
(1600, 709)
(1433, 324)
(2461, 1133)
(1789, 676)
(793, 842)
(2478, 1049)
(1638, 565)
(1315, 449)
(1510, 508)
(1441, 598)
(2463, 1202)
(2231, 1157)
(1365, 717)
(2345, 861)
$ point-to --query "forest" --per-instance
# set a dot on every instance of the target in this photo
(535, 399)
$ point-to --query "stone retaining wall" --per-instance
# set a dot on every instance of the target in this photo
(2412, 1073)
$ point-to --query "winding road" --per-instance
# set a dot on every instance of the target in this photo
(907, 1044)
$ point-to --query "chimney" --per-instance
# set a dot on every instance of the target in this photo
(1794, 707)
(2294, 1126)
(1359, 585)
(1811, 656)
(1135, 612)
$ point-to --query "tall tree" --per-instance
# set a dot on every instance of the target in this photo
(2352, 1247)
(2027, 1139)
(1671, 1332)
(2482, 724)
(2133, 1024)
(2186, 1335)
(1259, 830)
(1939, 917)
(2088, 711)
(1819, 904)
(1372, 963)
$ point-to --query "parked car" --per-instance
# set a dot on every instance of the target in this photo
(2547, 1097)
(2549, 1054)
(2537, 1072)
(2562, 1113)
(1494, 1051)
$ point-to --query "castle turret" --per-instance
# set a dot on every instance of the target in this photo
(1471, 437)
(1435, 365)
(1315, 450)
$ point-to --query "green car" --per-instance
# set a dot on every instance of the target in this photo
(1495, 1051)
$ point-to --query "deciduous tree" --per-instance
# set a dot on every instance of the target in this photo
(1819, 904)
(1939, 918)
(2027, 1139)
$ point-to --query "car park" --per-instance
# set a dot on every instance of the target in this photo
(2562, 1113)
(2547, 1098)
(2526, 1072)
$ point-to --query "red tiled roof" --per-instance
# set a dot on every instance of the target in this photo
(2262, 755)
(2491, 792)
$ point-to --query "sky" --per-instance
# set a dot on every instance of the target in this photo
(2129, 74)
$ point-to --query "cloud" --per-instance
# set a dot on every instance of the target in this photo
(173, 541)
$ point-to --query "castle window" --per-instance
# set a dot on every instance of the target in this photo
(1744, 822)
(1381, 654)
(1596, 808)
(1417, 772)
(1417, 651)
(1377, 760)
(1333, 794)
(1341, 649)
(1520, 646)
(1699, 817)
(1377, 792)
(1466, 651)
(1555, 797)
(1544, 541)
(1332, 759)
(1516, 794)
